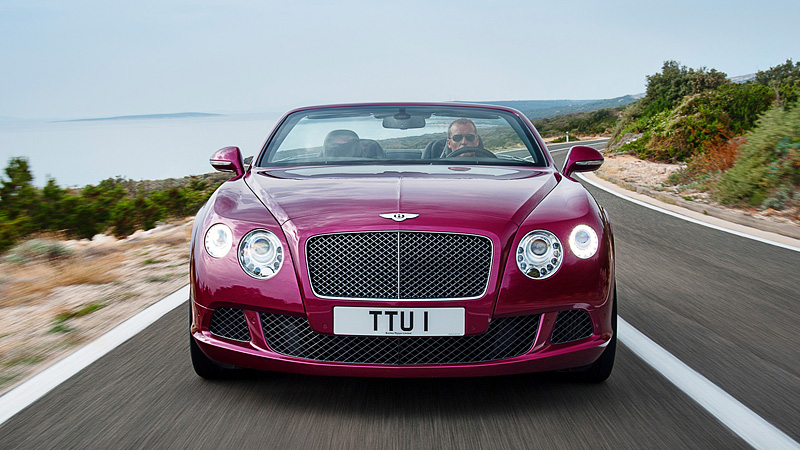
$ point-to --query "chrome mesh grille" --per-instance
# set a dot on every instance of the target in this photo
(571, 326)
(506, 338)
(399, 265)
(230, 323)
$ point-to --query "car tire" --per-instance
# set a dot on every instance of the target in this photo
(203, 365)
(601, 369)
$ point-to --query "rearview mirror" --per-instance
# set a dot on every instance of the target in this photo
(228, 159)
(403, 121)
(582, 158)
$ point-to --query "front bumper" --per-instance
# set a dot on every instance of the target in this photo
(310, 352)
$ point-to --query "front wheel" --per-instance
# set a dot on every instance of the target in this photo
(203, 365)
(601, 369)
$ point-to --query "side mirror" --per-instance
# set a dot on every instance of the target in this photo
(228, 159)
(581, 158)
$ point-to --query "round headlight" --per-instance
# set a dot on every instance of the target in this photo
(583, 241)
(261, 254)
(218, 240)
(539, 254)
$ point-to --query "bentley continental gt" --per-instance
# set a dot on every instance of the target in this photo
(403, 240)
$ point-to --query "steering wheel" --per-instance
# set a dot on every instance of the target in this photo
(479, 152)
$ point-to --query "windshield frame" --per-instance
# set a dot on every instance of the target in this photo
(512, 118)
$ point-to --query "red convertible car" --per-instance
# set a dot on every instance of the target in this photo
(403, 240)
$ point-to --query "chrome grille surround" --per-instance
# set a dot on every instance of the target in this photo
(506, 337)
(572, 325)
(399, 265)
(230, 323)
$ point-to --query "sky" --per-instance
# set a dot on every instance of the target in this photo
(85, 59)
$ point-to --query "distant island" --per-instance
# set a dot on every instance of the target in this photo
(146, 116)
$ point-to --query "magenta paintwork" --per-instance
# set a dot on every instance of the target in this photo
(228, 159)
(582, 158)
(542, 357)
(502, 203)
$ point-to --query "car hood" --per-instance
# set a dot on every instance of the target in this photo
(324, 198)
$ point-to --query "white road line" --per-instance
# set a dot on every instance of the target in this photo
(733, 414)
(748, 425)
(35, 388)
(689, 219)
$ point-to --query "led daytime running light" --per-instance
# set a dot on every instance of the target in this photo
(218, 240)
(583, 241)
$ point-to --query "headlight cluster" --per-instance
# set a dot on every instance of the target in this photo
(260, 252)
(540, 253)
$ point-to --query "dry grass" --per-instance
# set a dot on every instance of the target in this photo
(29, 282)
(53, 301)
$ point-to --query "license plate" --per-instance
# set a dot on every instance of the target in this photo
(369, 321)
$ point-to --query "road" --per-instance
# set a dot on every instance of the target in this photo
(722, 304)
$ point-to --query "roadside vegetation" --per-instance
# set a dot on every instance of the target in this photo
(115, 206)
(65, 278)
(740, 142)
(56, 294)
(593, 123)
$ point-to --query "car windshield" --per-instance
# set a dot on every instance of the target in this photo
(402, 135)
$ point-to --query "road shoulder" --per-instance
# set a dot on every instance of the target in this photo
(785, 234)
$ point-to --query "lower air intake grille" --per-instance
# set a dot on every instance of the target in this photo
(571, 326)
(506, 338)
(230, 323)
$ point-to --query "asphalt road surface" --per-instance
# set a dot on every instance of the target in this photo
(726, 306)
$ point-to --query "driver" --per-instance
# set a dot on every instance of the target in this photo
(462, 133)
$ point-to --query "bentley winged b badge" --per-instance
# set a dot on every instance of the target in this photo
(399, 217)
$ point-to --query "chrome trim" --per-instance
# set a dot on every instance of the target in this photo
(594, 162)
(399, 217)
(485, 289)
(221, 165)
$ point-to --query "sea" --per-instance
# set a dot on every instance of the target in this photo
(78, 153)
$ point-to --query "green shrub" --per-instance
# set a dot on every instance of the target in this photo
(698, 122)
(37, 250)
(784, 80)
(594, 122)
(636, 147)
(112, 203)
(129, 215)
(668, 88)
(11, 230)
(769, 161)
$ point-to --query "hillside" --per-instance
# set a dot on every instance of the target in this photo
(542, 109)
(739, 139)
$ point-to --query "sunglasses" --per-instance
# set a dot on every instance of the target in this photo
(468, 137)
